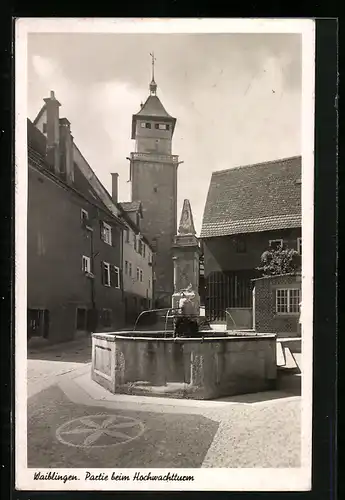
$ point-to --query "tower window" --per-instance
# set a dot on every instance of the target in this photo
(161, 126)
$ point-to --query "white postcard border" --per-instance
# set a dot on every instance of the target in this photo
(205, 479)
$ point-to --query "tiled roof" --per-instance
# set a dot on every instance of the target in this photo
(153, 107)
(130, 206)
(254, 198)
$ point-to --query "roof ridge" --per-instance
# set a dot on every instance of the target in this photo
(278, 160)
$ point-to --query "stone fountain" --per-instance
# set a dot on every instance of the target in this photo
(198, 366)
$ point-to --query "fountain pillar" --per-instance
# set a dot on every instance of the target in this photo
(186, 255)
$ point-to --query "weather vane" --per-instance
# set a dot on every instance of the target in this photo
(153, 65)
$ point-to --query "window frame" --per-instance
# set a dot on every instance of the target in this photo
(106, 265)
(117, 273)
(83, 213)
(107, 227)
(274, 241)
(288, 291)
(88, 261)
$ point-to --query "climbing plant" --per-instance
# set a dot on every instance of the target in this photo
(280, 261)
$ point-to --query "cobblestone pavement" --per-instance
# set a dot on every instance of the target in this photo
(73, 422)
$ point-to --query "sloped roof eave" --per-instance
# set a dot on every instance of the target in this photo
(230, 228)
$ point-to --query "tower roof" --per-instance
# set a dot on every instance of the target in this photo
(152, 109)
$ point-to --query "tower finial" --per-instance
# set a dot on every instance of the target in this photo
(153, 85)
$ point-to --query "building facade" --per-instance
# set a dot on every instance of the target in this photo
(248, 210)
(137, 264)
(74, 234)
(153, 174)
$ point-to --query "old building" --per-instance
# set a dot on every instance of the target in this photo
(248, 209)
(137, 263)
(74, 259)
(153, 173)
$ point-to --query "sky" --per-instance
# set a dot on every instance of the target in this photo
(236, 98)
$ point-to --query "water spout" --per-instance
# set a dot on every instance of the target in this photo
(232, 319)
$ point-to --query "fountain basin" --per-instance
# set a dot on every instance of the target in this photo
(192, 368)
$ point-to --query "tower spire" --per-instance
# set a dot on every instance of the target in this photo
(153, 85)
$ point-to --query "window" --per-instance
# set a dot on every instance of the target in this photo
(106, 273)
(107, 317)
(147, 125)
(106, 233)
(141, 275)
(130, 268)
(135, 241)
(84, 215)
(241, 246)
(287, 300)
(275, 244)
(149, 283)
(127, 235)
(155, 189)
(138, 273)
(86, 264)
(143, 124)
(44, 128)
(115, 276)
(126, 266)
(299, 245)
(144, 250)
(81, 319)
(137, 219)
(140, 247)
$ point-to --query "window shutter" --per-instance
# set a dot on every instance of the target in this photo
(102, 272)
(112, 277)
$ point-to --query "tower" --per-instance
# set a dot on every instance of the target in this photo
(154, 183)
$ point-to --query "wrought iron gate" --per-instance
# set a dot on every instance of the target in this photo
(227, 289)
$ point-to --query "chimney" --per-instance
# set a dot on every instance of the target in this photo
(66, 151)
(53, 132)
(114, 186)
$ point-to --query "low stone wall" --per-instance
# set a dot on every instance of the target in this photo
(184, 368)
